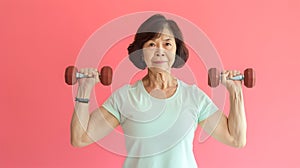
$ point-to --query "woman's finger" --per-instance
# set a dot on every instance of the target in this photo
(224, 76)
(90, 72)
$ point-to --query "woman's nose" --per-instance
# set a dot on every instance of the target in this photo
(160, 52)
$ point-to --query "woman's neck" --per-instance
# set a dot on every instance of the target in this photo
(159, 79)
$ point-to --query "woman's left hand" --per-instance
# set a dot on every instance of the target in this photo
(231, 85)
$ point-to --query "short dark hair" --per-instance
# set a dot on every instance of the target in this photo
(150, 29)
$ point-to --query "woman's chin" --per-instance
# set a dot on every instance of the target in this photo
(159, 69)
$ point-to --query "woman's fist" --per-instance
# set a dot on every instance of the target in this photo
(227, 82)
(92, 78)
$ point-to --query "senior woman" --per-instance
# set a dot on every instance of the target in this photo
(159, 113)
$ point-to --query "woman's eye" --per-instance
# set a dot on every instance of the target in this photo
(168, 44)
(151, 45)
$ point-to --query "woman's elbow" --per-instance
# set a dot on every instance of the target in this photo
(81, 141)
(77, 143)
(239, 144)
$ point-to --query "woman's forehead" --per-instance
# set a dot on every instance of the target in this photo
(164, 35)
(167, 32)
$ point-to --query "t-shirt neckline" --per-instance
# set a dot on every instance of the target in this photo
(169, 98)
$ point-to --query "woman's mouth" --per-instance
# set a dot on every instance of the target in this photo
(159, 62)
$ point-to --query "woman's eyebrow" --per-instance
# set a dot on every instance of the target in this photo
(165, 39)
(168, 39)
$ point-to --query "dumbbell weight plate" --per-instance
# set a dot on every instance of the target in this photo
(249, 78)
(213, 77)
(106, 75)
(70, 75)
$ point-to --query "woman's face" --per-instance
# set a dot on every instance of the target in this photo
(160, 52)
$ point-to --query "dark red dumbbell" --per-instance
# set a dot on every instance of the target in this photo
(72, 74)
(214, 77)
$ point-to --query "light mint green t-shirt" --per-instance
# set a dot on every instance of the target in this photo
(159, 133)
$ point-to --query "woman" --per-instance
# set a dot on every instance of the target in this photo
(159, 113)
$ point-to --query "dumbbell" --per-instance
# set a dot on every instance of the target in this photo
(214, 77)
(72, 74)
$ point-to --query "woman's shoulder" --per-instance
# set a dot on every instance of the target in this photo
(187, 85)
(125, 87)
(192, 88)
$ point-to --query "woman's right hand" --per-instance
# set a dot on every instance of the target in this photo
(91, 80)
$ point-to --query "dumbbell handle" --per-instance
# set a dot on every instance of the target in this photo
(237, 78)
(81, 75)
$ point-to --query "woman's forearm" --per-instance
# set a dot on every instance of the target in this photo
(237, 118)
(80, 118)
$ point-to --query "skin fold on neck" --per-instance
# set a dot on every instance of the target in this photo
(160, 83)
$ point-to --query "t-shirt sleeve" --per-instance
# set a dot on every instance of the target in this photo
(111, 105)
(206, 106)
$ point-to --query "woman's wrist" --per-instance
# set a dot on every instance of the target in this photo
(83, 93)
(235, 90)
(82, 100)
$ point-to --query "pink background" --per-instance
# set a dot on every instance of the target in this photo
(38, 39)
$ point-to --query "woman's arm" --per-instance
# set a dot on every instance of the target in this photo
(229, 130)
(87, 128)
